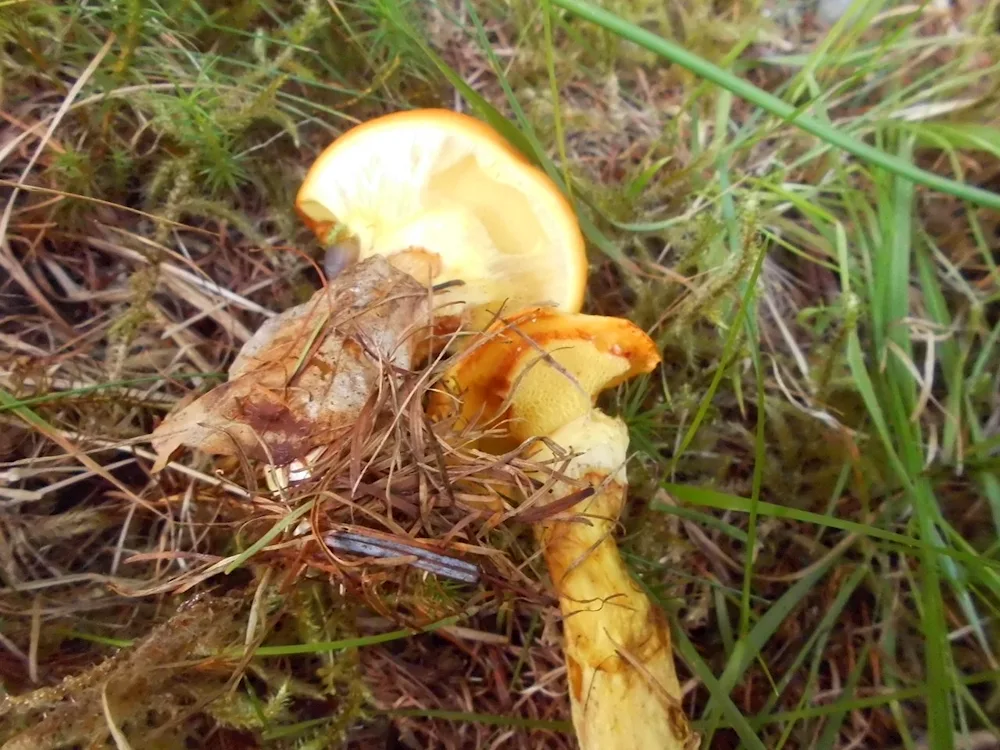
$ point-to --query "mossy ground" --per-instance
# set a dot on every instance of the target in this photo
(814, 492)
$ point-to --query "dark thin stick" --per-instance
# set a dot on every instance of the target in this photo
(447, 567)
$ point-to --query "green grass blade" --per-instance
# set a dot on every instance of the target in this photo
(730, 347)
(819, 636)
(851, 703)
(719, 695)
(749, 648)
(269, 535)
(703, 519)
(564, 727)
(833, 136)
(87, 390)
(724, 501)
(831, 732)
(325, 647)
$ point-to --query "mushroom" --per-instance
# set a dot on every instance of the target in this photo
(431, 195)
(538, 375)
(444, 197)
(599, 352)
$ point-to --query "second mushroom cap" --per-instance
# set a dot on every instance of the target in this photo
(445, 198)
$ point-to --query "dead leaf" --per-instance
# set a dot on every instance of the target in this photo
(303, 378)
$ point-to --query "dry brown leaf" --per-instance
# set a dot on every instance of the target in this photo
(303, 378)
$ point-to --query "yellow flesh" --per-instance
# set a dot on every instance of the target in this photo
(546, 397)
(494, 223)
(541, 368)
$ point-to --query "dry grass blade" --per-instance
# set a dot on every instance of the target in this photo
(7, 259)
(121, 741)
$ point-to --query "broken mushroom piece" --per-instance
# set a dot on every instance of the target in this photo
(445, 198)
(437, 197)
(541, 375)
(535, 355)
(300, 383)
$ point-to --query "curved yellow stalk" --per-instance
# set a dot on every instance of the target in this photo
(622, 681)
(540, 373)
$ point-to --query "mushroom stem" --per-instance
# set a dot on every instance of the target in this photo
(623, 685)
(543, 381)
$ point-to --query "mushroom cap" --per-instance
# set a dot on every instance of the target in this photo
(445, 197)
(541, 369)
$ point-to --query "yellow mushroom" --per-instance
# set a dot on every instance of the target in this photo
(539, 375)
(446, 198)
(443, 198)
(597, 352)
